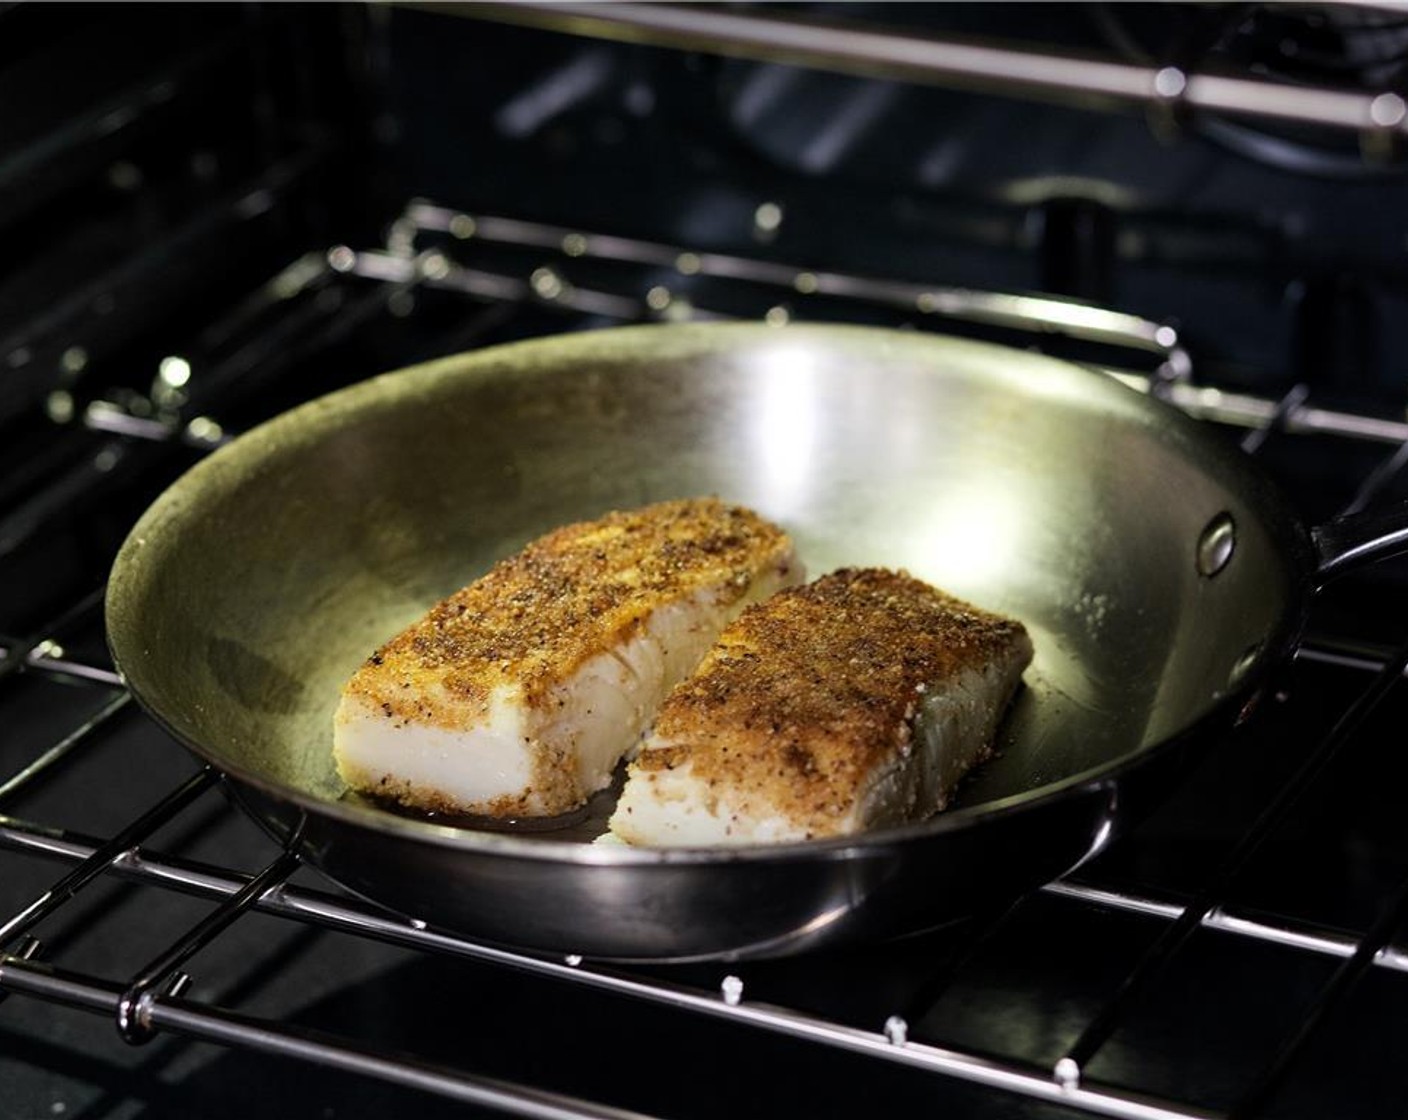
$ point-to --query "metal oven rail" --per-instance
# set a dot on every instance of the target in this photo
(1168, 91)
(424, 251)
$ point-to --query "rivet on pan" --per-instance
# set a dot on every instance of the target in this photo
(1216, 544)
(732, 988)
(1243, 666)
(573, 959)
(896, 1031)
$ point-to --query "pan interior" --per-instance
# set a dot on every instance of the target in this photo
(253, 588)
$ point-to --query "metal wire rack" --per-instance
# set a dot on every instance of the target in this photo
(421, 253)
(1168, 91)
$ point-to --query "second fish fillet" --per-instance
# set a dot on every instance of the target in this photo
(852, 703)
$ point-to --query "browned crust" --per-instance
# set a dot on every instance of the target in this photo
(805, 694)
(389, 788)
(579, 591)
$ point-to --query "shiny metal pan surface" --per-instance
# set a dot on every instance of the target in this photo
(1160, 576)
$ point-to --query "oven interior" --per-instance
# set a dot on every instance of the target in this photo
(211, 215)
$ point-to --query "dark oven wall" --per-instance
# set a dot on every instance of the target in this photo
(211, 213)
(158, 160)
(164, 172)
(1279, 251)
(217, 145)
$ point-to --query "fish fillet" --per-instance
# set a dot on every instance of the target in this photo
(854, 702)
(518, 695)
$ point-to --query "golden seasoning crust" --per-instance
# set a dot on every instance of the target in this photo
(579, 591)
(388, 787)
(804, 694)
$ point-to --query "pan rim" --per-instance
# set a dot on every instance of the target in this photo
(1274, 511)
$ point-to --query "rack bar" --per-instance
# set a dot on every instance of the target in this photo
(1276, 422)
(104, 854)
(1022, 312)
(164, 1009)
(1103, 1025)
(1037, 314)
(931, 989)
(60, 750)
(57, 495)
(1331, 943)
(352, 916)
(1088, 82)
(1331, 996)
(362, 919)
(219, 1025)
(27, 652)
(229, 1028)
(82, 133)
(436, 272)
(259, 362)
(134, 1018)
(1378, 478)
(1346, 657)
(42, 662)
(238, 207)
(1033, 314)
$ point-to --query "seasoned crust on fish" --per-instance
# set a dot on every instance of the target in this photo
(518, 694)
(855, 701)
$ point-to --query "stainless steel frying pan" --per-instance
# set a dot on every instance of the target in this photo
(1160, 575)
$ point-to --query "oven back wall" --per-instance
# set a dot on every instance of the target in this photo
(1281, 254)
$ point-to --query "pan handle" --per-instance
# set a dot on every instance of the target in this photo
(1345, 543)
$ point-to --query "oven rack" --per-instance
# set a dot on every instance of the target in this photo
(422, 245)
(1037, 316)
(155, 1000)
(1169, 94)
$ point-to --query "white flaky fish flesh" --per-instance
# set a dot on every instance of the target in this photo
(520, 694)
(848, 704)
